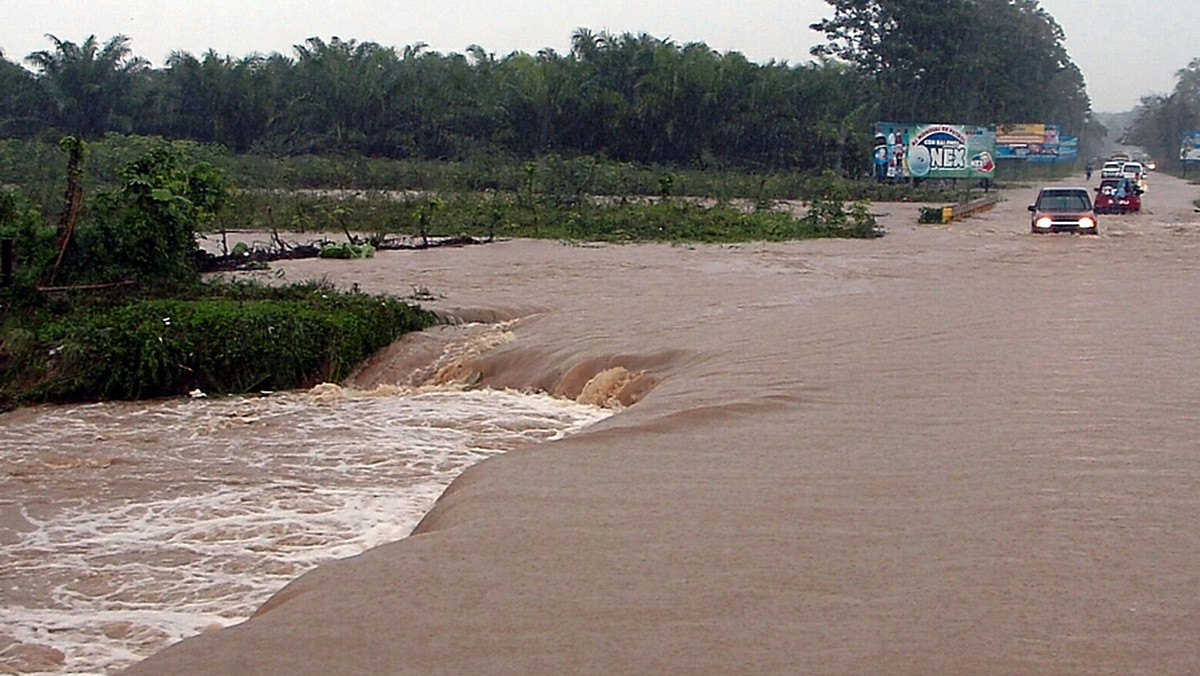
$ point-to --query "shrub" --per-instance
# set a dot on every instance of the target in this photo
(145, 229)
(225, 339)
(930, 215)
(345, 250)
(827, 210)
(34, 241)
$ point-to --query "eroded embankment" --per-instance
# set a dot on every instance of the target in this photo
(466, 354)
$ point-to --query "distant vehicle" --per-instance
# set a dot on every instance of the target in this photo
(1063, 210)
(1120, 156)
(1114, 198)
(1111, 169)
(1152, 165)
(1134, 171)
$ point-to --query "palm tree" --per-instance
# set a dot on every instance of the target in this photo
(88, 83)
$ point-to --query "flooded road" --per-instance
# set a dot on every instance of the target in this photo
(955, 449)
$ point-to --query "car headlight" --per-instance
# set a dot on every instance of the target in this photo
(1087, 223)
(1044, 222)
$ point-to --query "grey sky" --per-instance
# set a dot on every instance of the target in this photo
(1125, 48)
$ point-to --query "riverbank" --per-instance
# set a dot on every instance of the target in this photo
(217, 338)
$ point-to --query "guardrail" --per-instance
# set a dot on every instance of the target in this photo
(956, 212)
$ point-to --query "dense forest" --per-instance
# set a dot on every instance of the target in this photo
(627, 97)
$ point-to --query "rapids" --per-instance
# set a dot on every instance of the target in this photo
(129, 526)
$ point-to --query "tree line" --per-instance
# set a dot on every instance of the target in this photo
(1161, 119)
(628, 97)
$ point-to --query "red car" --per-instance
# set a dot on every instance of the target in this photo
(1118, 196)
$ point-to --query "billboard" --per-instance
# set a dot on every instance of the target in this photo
(1035, 142)
(1068, 149)
(1189, 146)
(934, 151)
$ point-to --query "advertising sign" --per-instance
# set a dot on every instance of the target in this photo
(1068, 149)
(934, 151)
(1189, 146)
(1036, 142)
(1018, 134)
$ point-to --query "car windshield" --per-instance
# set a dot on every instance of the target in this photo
(1064, 201)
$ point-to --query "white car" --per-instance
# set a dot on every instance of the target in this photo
(1134, 171)
(1111, 169)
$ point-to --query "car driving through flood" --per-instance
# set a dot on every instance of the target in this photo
(1061, 209)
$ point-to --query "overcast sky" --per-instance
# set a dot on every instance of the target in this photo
(1125, 48)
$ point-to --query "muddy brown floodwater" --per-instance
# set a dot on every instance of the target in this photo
(957, 449)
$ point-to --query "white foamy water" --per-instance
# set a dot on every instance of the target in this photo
(127, 527)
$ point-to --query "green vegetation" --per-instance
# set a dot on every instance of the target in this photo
(109, 303)
(967, 61)
(214, 337)
(347, 250)
(35, 169)
(628, 98)
(491, 216)
(139, 226)
(930, 215)
(1161, 120)
(581, 198)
